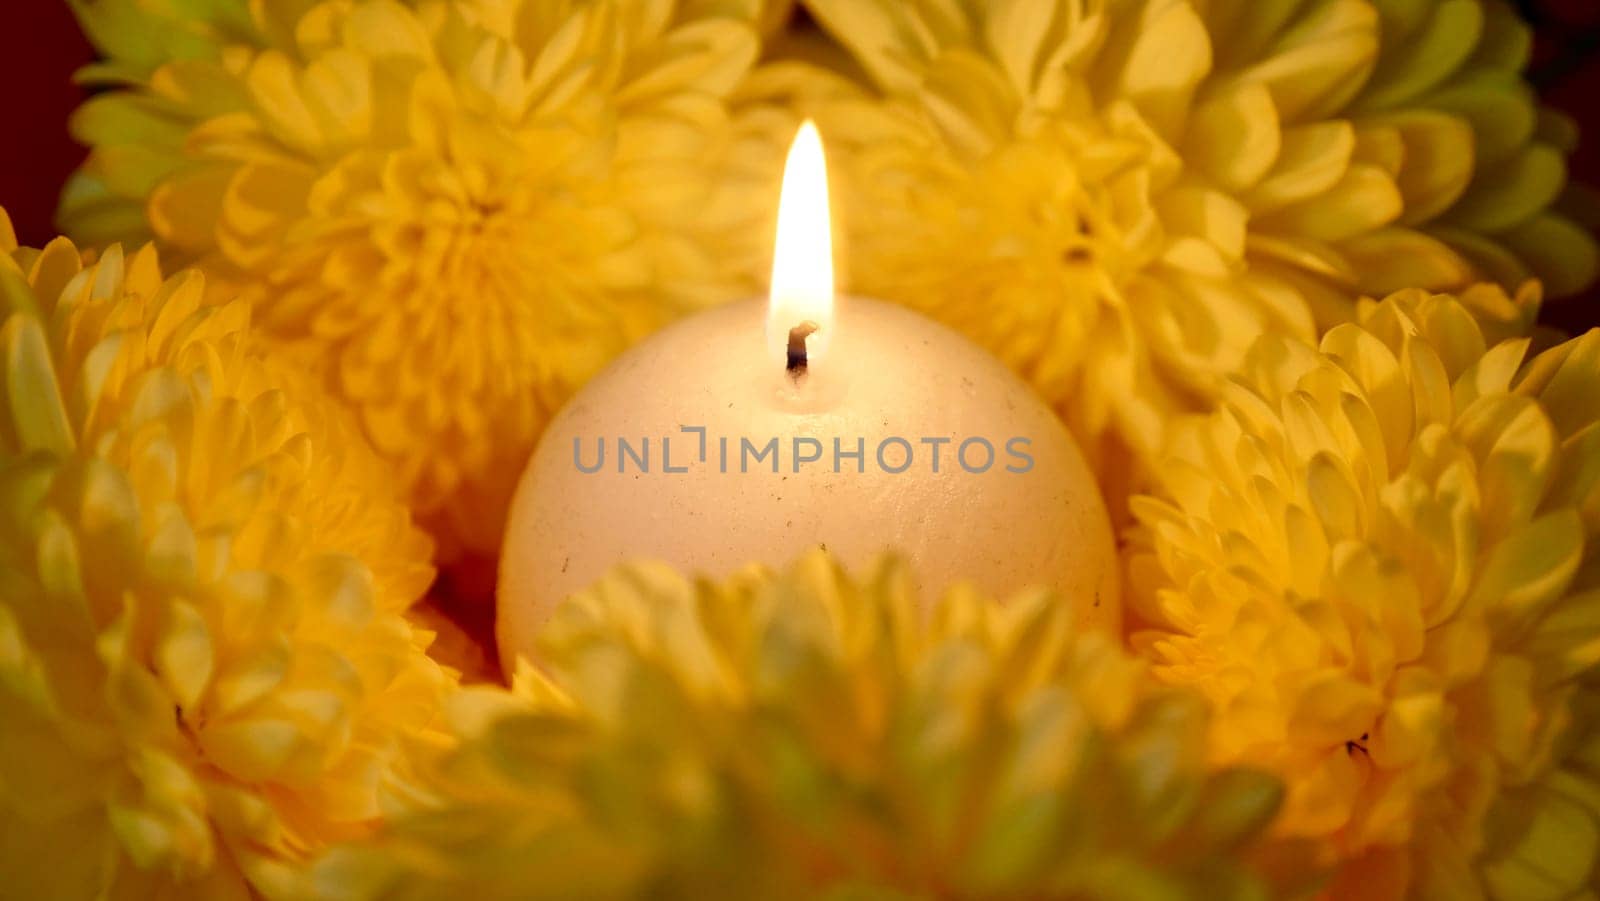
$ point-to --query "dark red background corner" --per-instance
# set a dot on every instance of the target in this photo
(39, 51)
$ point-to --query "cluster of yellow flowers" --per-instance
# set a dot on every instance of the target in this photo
(1362, 557)
(790, 735)
(453, 211)
(1377, 559)
(1117, 196)
(205, 671)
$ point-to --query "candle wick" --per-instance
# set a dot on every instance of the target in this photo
(797, 347)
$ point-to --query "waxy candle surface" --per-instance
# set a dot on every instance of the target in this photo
(888, 374)
(753, 432)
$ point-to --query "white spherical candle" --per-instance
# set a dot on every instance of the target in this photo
(908, 438)
(752, 432)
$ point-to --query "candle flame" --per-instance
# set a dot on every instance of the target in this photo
(802, 265)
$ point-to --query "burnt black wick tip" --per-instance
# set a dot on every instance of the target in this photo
(797, 346)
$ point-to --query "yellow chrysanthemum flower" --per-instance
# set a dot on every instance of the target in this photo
(205, 673)
(454, 211)
(807, 735)
(1544, 837)
(1378, 560)
(1118, 196)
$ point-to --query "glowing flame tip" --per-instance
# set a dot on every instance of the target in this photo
(802, 265)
